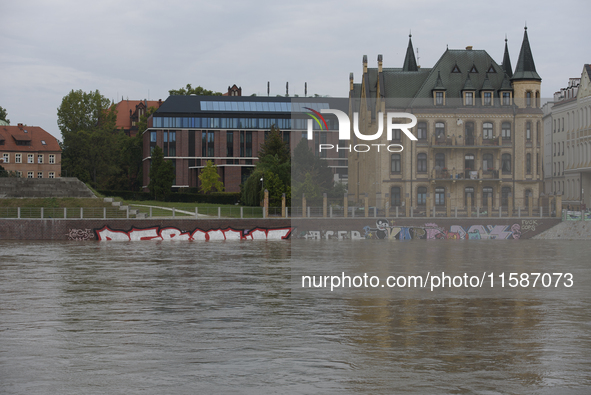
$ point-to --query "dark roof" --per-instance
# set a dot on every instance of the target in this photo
(526, 69)
(410, 62)
(37, 139)
(507, 61)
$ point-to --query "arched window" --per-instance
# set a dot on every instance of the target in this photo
(487, 162)
(439, 130)
(440, 196)
(505, 192)
(487, 130)
(528, 163)
(528, 131)
(422, 163)
(506, 163)
(395, 196)
(469, 192)
(469, 133)
(421, 196)
(395, 163)
(528, 98)
(486, 193)
(422, 130)
(440, 161)
(506, 130)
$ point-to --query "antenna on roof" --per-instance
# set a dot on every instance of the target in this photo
(287, 89)
(268, 88)
(305, 89)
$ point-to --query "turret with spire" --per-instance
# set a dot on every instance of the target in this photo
(526, 68)
(526, 81)
(410, 62)
(507, 61)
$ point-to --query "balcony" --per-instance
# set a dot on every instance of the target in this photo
(466, 174)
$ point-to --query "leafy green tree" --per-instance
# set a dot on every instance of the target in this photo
(89, 147)
(210, 179)
(4, 115)
(161, 175)
(310, 175)
(3, 172)
(189, 90)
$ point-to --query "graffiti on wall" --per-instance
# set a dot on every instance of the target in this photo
(172, 233)
(80, 234)
(430, 231)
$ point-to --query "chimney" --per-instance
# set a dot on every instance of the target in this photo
(379, 63)
(469, 48)
(20, 125)
(364, 64)
(350, 81)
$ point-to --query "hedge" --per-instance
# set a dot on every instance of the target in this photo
(180, 197)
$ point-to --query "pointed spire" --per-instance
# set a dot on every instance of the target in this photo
(439, 84)
(507, 61)
(410, 62)
(526, 69)
(468, 85)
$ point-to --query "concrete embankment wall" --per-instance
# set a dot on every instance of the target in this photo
(313, 228)
(568, 230)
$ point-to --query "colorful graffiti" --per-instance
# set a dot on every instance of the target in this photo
(430, 231)
(174, 234)
(80, 234)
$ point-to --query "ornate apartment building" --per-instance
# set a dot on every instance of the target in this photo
(479, 126)
(567, 130)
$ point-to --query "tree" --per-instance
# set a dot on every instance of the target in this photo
(189, 90)
(3, 172)
(4, 115)
(210, 179)
(274, 145)
(90, 141)
(161, 175)
(310, 175)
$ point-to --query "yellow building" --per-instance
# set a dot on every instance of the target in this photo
(478, 130)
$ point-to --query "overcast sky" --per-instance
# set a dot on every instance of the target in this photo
(142, 49)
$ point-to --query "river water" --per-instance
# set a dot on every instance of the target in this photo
(232, 317)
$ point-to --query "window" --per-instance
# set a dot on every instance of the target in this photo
(440, 196)
(528, 131)
(487, 130)
(51, 174)
(422, 163)
(528, 163)
(506, 163)
(487, 98)
(17, 158)
(506, 130)
(505, 192)
(422, 130)
(6, 158)
(395, 134)
(246, 144)
(30, 158)
(51, 159)
(506, 98)
(469, 193)
(422, 196)
(152, 137)
(439, 130)
(528, 98)
(207, 144)
(486, 193)
(30, 174)
(395, 196)
(440, 160)
(39, 174)
(395, 163)
(39, 158)
(439, 98)
(229, 144)
(487, 162)
(19, 174)
(469, 98)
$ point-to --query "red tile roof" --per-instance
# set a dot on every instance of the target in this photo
(123, 107)
(37, 138)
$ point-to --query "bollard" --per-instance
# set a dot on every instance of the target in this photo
(18, 212)
(41, 212)
(519, 212)
(396, 211)
(375, 212)
(456, 211)
(286, 212)
(220, 212)
(411, 212)
(308, 211)
(127, 212)
(65, 213)
(104, 213)
(241, 212)
(150, 212)
(330, 210)
(541, 211)
(173, 212)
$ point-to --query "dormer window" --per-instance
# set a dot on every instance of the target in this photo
(487, 98)
(506, 98)
(456, 69)
(439, 98)
(491, 69)
(469, 98)
(473, 69)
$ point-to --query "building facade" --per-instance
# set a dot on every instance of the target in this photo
(129, 113)
(567, 126)
(229, 130)
(30, 152)
(479, 128)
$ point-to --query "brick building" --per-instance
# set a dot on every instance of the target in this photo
(30, 151)
(129, 113)
(478, 129)
(229, 130)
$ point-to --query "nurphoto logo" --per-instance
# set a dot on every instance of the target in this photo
(345, 129)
